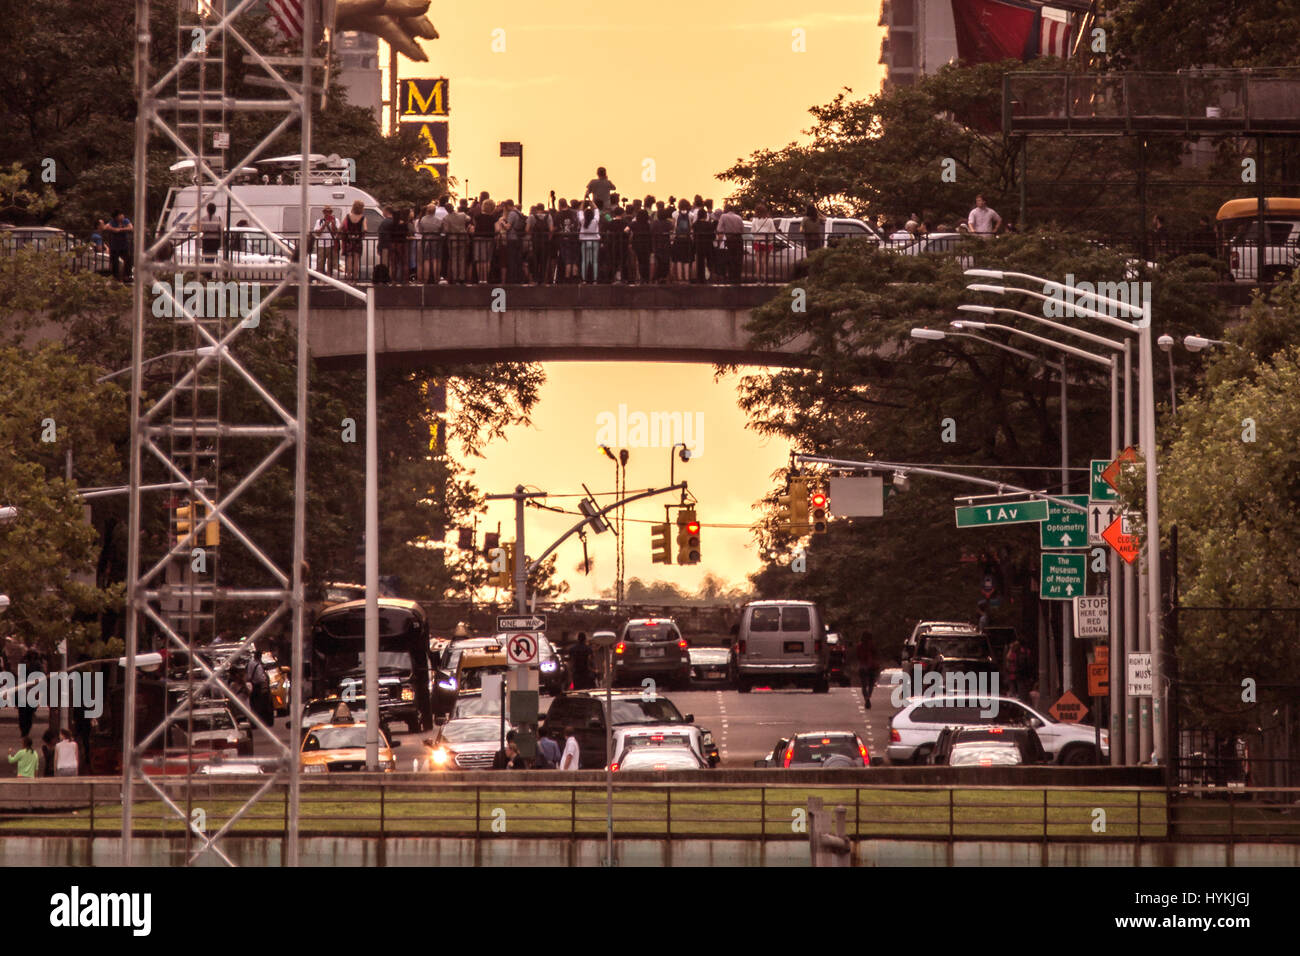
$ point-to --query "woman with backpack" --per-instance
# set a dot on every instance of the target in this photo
(681, 245)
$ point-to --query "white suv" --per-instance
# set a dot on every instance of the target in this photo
(915, 729)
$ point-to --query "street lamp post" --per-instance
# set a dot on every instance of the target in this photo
(1141, 327)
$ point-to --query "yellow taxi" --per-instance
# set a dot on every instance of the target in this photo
(330, 748)
(476, 664)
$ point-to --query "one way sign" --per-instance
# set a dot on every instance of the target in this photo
(1101, 515)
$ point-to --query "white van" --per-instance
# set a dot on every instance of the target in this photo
(782, 643)
(276, 205)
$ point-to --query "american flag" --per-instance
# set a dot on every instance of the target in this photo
(1055, 37)
(288, 17)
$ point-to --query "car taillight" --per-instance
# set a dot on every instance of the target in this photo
(894, 736)
(613, 768)
(682, 644)
(862, 751)
(619, 647)
(789, 754)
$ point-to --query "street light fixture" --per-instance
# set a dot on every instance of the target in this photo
(1194, 343)
(1146, 438)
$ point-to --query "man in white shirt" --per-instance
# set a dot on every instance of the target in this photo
(570, 760)
(983, 221)
(65, 755)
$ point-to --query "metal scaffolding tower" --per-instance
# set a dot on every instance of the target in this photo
(174, 596)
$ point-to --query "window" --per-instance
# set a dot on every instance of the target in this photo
(764, 619)
(943, 714)
(817, 749)
(796, 619)
(849, 228)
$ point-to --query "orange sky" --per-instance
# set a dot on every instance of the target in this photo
(689, 87)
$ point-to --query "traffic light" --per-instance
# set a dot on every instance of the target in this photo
(465, 539)
(660, 552)
(817, 505)
(688, 537)
(491, 540)
(212, 531)
(184, 520)
(799, 505)
(503, 566)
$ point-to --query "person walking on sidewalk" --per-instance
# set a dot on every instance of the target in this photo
(868, 671)
(26, 758)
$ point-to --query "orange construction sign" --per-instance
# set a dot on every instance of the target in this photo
(1122, 540)
(1111, 471)
(1099, 680)
(1069, 708)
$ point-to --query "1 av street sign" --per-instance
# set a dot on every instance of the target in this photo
(535, 622)
(1065, 528)
(1004, 512)
(1101, 515)
(1063, 576)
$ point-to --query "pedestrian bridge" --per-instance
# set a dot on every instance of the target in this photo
(470, 324)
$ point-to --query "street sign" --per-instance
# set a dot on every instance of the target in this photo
(521, 648)
(1101, 654)
(534, 622)
(1069, 708)
(512, 149)
(1101, 491)
(1063, 576)
(1092, 616)
(1002, 512)
(1099, 680)
(1140, 683)
(861, 497)
(1065, 528)
(1111, 471)
(1119, 535)
(1101, 514)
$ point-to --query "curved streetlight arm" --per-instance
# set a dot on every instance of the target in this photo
(938, 473)
(1052, 343)
(587, 519)
(1136, 311)
(1073, 306)
(1060, 327)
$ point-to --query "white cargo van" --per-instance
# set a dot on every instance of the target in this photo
(276, 205)
(782, 643)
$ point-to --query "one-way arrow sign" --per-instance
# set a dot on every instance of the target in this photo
(536, 622)
(1101, 515)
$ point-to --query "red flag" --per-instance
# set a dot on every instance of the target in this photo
(991, 30)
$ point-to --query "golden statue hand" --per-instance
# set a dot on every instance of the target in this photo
(397, 22)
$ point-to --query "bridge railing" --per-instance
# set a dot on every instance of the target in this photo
(564, 259)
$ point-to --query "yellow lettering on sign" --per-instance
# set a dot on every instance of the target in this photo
(426, 135)
(414, 99)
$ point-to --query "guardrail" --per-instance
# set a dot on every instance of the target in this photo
(558, 260)
(534, 805)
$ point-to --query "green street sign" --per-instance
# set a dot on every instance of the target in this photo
(1065, 528)
(1063, 576)
(1101, 489)
(1004, 512)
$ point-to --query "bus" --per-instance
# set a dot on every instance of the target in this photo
(338, 644)
(1238, 227)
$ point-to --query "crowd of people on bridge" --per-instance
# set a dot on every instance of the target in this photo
(599, 238)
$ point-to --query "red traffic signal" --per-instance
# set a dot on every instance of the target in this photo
(818, 500)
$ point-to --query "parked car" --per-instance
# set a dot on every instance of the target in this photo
(988, 745)
(781, 643)
(654, 648)
(584, 711)
(915, 729)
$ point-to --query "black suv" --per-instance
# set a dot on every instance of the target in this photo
(584, 711)
(654, 648)
(945, 648)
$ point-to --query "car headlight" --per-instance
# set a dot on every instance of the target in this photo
(408, 693)
(448, 684)
(548, 666)
(440, 756)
